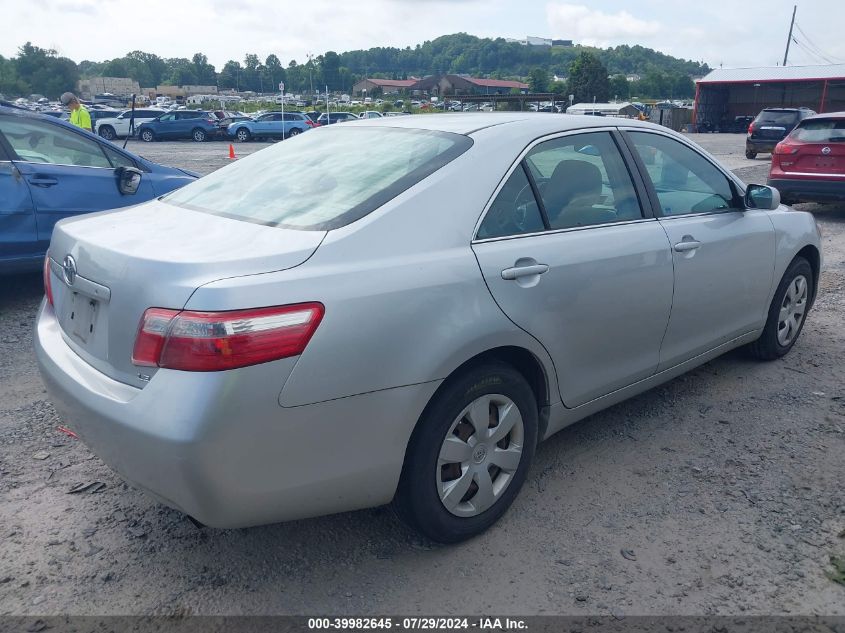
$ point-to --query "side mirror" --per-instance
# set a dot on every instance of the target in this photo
(762, 197)
(128, 180)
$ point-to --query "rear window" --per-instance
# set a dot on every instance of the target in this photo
(820, 131)
(775, 117)
(322, 180)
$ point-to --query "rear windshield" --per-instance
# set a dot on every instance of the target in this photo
(323, 179)
(821, 131)
(777, 118)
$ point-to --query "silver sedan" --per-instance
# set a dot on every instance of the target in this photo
(400, 309)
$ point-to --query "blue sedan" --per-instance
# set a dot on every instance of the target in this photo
(50, 170)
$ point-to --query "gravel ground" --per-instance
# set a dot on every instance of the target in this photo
(723, 488)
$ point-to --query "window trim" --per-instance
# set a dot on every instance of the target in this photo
(736, 184)
(646, 203)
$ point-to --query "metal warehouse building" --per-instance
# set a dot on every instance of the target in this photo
(727, 93)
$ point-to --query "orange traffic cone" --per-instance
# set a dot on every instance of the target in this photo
(232, 152)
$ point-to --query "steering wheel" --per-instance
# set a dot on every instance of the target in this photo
(510, 216)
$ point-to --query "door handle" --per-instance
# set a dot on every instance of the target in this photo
(687, 245)
(42, 181)
(524, 271)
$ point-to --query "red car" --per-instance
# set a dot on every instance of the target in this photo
(809, 164)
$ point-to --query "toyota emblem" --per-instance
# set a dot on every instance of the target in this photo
(69, 269)
(825, 150)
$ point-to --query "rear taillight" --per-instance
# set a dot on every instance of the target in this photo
(48, 284)
(310, 123)
(751, 127)
(214, 341)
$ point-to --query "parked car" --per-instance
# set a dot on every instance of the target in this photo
(99, 115)
(224, 123)
(51, 170)
(313, 115)
(335, 337)
(271, 125)
(770, 127)
(330, 118)
(809, 164)
(370, 114)
(739, 125)
(194, 124)
(111, 128)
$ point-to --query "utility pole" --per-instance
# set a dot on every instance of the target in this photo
(789, 39)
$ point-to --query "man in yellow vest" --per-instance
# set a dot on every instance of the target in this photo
(78, 115)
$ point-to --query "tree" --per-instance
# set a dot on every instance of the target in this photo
(538, 80)
(42, 71)
(274, 70)
(620, 87)
(588, 79)
(331, 70)
(203, 71)
(230, 76)
(182, 72)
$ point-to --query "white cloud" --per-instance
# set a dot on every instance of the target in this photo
(597, 28)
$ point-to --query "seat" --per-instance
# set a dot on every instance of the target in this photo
(571, 193)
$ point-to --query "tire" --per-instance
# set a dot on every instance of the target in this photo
(750, 154)
(107, 132)
(243, 135)
(147, 136)
(423, 498)
(294, 132)
(199, 135)
(788, 312)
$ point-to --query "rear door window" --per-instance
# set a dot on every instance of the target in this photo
(778, 118)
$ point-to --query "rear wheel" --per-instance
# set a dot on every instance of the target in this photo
(469, 455)
(107, 132)
(787, 312)
(147, 136)
(243, 135)
(750, 154)
(199, 135)
(294, 132)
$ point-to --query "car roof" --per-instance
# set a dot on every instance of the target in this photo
(536, 123)
(826, 115)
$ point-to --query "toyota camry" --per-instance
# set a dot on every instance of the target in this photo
(398, 310)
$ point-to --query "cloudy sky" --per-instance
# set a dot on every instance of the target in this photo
(729, 32)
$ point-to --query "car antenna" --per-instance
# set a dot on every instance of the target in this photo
(131, 122)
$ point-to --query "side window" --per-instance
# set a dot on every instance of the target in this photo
(292, 116)
(684, 180)
(583, 181)
(168, 117)
(38, 142)
(117, 159)
(514, 211)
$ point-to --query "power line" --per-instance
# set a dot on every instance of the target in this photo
(808, 41)
(816, 57)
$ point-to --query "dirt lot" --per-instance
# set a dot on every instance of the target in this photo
(725, 485)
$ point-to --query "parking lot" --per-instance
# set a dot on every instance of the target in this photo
(719, 492)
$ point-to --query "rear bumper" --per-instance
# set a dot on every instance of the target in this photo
(218, 446)
(802, 190)
(761, 145)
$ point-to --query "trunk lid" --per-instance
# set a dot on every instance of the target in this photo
(152, 255)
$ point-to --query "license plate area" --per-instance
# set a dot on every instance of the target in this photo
(81, 318)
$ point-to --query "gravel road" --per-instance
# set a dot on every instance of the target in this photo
(723, 488)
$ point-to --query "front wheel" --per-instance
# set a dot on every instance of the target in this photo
(147, 136)
(469, 454)
(787, 312)
(199, 135)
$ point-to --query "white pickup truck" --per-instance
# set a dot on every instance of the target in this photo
(118, 127)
